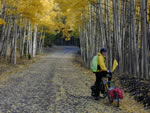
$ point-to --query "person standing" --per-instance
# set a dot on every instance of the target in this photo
(102, 71)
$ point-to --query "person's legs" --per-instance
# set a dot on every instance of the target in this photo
(96, 88)
(97, 83)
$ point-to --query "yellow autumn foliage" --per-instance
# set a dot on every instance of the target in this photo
(49, 13)
(2, 22)
(39, 12)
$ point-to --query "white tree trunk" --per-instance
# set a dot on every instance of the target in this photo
(24, 38)
(35, 41)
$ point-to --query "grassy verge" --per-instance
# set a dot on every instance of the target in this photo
(7, 70)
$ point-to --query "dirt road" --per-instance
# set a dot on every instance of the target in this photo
(57, 84)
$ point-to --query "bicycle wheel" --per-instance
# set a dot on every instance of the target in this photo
(109, 98)
(102, 90)
(117, 100)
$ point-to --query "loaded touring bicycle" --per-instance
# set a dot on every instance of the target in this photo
(113, 93)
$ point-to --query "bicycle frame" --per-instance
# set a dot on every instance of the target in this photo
(107, 83)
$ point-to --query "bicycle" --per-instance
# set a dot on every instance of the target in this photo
(113, 93)
(107, 87)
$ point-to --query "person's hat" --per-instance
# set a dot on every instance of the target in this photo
(103, 50)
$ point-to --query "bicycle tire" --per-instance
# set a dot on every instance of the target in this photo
(110, 99)
(102, 87)
(117, 100)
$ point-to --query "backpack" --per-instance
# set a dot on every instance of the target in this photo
(93, 64)
(118, 91)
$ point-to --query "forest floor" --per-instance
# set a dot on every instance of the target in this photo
(57, 83)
